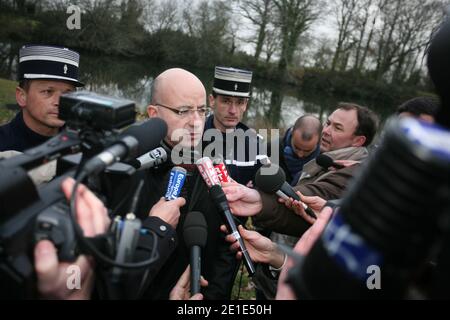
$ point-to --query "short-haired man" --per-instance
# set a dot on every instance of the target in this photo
(300, 145)
(229, 100)
(45, 73)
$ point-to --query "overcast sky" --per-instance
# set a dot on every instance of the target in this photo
(322, 28)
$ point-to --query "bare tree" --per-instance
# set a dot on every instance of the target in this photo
(258, 12)
(323, 55)
(407, 27)
(271, 43)
(365, 21)
(294, 18)
(166, 15)
(209, 22)
(345, 11)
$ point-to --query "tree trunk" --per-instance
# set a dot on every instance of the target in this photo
(260, 42)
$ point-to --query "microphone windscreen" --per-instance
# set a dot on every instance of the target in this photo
(324, 161)
(439, 70)
(217, 194)
(270, 183)
(148, 133)
(195, 230)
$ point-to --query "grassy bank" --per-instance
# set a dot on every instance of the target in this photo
(7, 97)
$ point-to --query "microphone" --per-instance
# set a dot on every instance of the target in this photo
(208, 172)
(277, 184)
(134, 141)
(221, 202)
(439, 70)
(176, 181)
(149, 160)
(326, 162)
(195, 234)
(221, 170)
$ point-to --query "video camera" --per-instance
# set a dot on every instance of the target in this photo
(29, 214)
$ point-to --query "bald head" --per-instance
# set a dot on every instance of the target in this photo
(174, 81)
(306, 136)
(309, 126)
(177, 90)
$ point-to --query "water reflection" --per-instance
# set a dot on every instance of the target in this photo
(272, 105)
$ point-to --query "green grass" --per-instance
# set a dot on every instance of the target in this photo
(247, 291)
(7, 96)
(246, 285)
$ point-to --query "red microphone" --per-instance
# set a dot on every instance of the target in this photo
(221, 170)
(208, 172)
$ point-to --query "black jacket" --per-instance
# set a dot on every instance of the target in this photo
(218, 262)
(242, 167)
(15, 135)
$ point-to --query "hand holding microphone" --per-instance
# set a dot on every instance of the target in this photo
(208, 172)
(168, 208)
(221, 202)
(276, 183)
(315, 203)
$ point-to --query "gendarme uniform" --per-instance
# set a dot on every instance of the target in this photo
(243, 159)
(38, 62)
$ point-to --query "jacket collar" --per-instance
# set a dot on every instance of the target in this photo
(210, 124)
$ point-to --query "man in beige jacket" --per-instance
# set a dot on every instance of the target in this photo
(345, 136)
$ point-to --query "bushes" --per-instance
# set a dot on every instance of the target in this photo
(352, 85)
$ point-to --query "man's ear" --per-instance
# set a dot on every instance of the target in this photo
(359, 141)
(246, 106)
(21, 97)
(152, 111)
(212, 101)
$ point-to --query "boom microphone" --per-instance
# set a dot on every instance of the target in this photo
(195, 234)
(277, 184)
(136, 140)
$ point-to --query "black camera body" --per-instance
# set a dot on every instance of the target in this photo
(98, 112)
(54, 224)
(45, 218)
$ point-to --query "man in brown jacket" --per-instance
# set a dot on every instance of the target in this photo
(345, 136)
